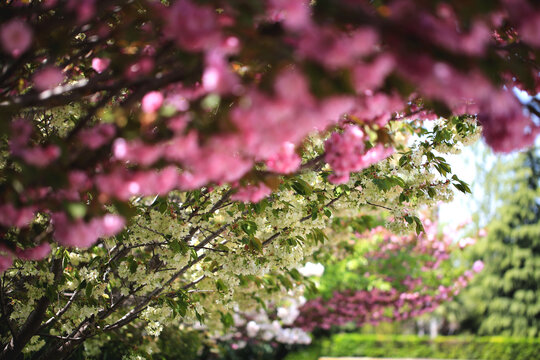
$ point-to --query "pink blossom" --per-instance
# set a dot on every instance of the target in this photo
(286, 161)
(265, 122)
(40, 156)
(334, 49)
(85, 9)
(346, 153)
(47, 78)
(504, 125)
(144, 66)
(371, 76)
(137, 152)
(110, 224)
(478, 266)
(78, 233)
(188, 181)
(97, 136)
(530, 29)
(36, 253)
(48, 4)
(19, 217)
(78, 180)
(177, 124)
(100, 64)
(377, 108)
(16, 37)
(526, 18)
(123, 184)
(251, 193)
(294, 13)
(183, 147)
(21, 130)
(343, 150)
(217, 76)
(193, 27)
(5, 262)
(339, 179)
(216, 164)
(152, 101)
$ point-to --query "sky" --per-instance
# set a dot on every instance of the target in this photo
(463, 205)
(465, 166)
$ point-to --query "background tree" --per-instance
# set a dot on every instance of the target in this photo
(509, 293)
(503, 299)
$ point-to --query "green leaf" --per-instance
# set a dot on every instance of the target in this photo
(318, 236)
(132, 265)
(301, 187)
(404, 160)
(249, 227)
(382, 183)
(285, 281)
(178, 246)
(76, 210)
(262, 303)
(462, 186)
(220, 285)
(227, 320)
(403, 197)
(419, 225)
(327, 212)
(181, 306)
(295, 274)
(256, 244)
(199, 317)
(88, 290)
(193, 254)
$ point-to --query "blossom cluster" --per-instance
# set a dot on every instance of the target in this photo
(406, 290)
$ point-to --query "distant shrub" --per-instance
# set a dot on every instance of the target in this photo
(405, 346)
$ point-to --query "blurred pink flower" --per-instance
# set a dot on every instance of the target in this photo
(36, 253)
(192, 26)
(100, 64)
(47, 78)
(97, 136)
(82, 234)
(252, 193)
(478, 266)
(16, 37)
(285, 161)
(152, 101)
(12, 216)
(5, 262)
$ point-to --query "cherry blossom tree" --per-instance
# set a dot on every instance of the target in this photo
(389, 277)
(174, 159)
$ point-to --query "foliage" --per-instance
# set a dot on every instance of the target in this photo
(173, 344)
(168, 161)
(367, 278)
(503, 300)
(409, 346)
(387, 277)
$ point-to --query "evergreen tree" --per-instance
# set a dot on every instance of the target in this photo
(508, 293)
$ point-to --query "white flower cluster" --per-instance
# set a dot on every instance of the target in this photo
(267, 327)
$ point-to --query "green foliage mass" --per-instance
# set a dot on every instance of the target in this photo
(402, 346)
(506, 295)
